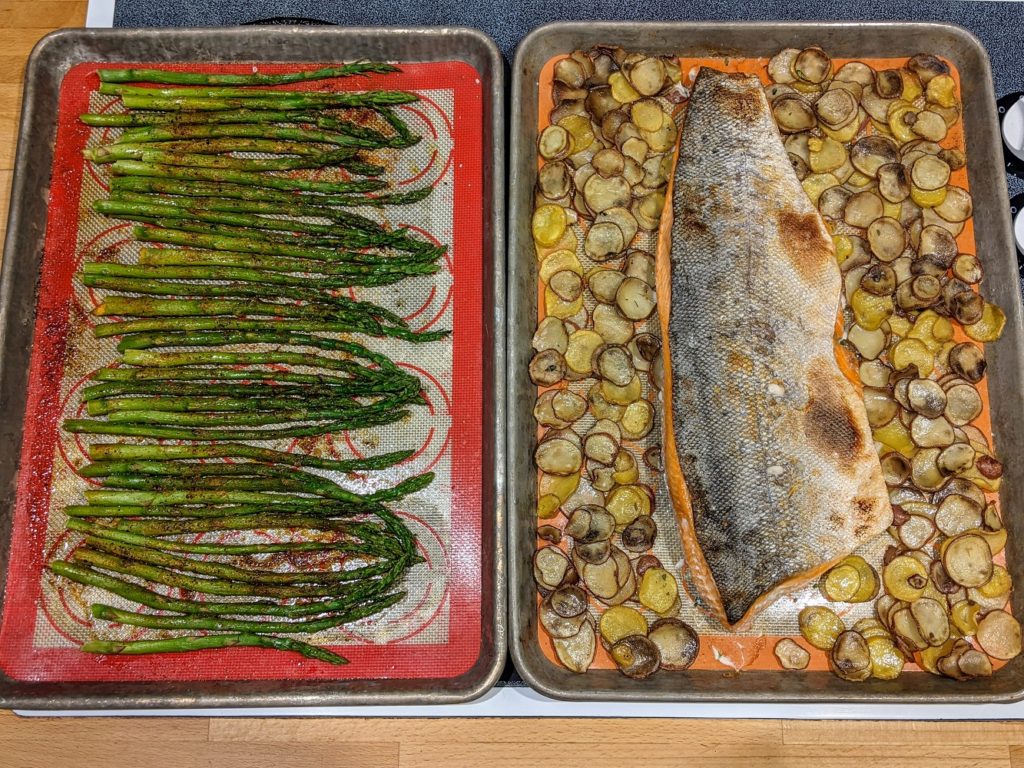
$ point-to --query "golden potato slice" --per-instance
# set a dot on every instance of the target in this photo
(999, 635)
(658, 590)
(579, 353)
(620, 621)
(905, 578)
(820, 626)
(968, 560)
(628, 502)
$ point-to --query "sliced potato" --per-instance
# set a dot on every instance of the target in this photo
(893, 183)
(555, 143)
(905, 578)
(791, 655)
(930, 173)
(579, 353)
(637, 420)
(967, 267)
(547, 368)
(628, 502)
(869, 154)
(677, 643)
(968, 560)
(622, 395)
(601, 193)
(611, 325)
(551, 334)
(577, 652)
(793, 114)
(658, 590)
(559, 453)
(636, 656)
(590, 523)
(820, 626)
(635, 299)
(639, 535)
(999, 635)
(886, 237)
(990, 326)
(603, 284)
(863, 208)
(552, 569)
(620, 621)
(850, 657)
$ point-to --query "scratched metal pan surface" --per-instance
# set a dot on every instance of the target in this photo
(54, 56)
(1006, 376)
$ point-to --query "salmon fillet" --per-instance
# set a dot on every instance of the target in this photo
(769, 457)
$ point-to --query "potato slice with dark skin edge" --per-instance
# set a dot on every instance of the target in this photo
(557, 626)
(926, 397)
(568, 602)
(836, 108)
(895, 468)
(593, 553)
(678, 644)
(567, 285)
(957, 458)
(577, 652)
(636, 656)
(790, 655)
(635, 299)
(640, 265)
(968, 560)
(863, 208)
(552, 569)
(963, 404)
(547, 368)
(589, 523)
(639, 535)
(558, 456)
(603, 284)
(812, 65)
(780, 66)
(967, 267)
(551, 334)
(618, 622)
(932, 621)
(793, 114)
(611, 325)
(849, 658)
(614, 363)
(889, 84)
(554, 180)
(644, 348)
(929, 173)
(886, 238)
(999, 635)
(893, 184)
(871, 153)
(820, 626)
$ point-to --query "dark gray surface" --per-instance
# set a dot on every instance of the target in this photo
(996, 24)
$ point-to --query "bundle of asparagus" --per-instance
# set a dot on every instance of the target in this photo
(238, 332)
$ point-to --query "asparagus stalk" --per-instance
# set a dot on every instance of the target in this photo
(275, 99)
(256, 78)
(137, 168)
(207, 642)
(214, 146)
(94, 427)
(218, 125)
(125, 452)
(191, 161)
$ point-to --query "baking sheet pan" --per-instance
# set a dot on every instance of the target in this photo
(60, 53)
(994, 245)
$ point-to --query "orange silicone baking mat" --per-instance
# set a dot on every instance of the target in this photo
(750, 649)
(435, 630)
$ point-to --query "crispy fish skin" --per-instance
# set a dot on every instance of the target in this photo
(769, 455)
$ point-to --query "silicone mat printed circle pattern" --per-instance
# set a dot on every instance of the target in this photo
(434, 631)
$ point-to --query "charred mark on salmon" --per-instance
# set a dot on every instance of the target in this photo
(829, 423)
(801, 235)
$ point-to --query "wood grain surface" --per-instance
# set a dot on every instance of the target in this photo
(452, 743)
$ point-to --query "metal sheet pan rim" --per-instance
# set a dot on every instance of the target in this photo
(676, 37)
(24, 246)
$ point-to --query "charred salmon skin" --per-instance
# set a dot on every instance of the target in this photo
(769, 457)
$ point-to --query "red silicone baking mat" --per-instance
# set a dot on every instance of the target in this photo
(435, 630)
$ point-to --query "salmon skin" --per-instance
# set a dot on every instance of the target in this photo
(769, 456)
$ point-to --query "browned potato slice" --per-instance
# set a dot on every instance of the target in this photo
(622, 395)
(938, 244)
(889, 83)
(926, 66)
(968, 560)
(639, 535)
(916, 532)
(558, 408)
(886, 237)
(812, 65)
(620, 621)
(580, 352)
(556, 624)
(862, 209)
(932, 622)
(677, 643)
(636, 656)
(601, 579)
(999, 635)
(833, 201)
(568, 602)
(559, 453)
(551, 335)
(963, 404)
(628, 502)
(957, 205)
(793, 114)
(640, 265)
(570, 72)
(957, 514)
(873, 152)
(609, 162)
(603, 284)
(780, 67)
(931, 433)
(850, 658)
(647, 114)
(555, 143)
(637, 420)
(957, 458)
(612, 326)
(895, 468)
(648, 76)
(635, 299)
(929, 172)
(876, 105)
(791, 655)
(552, 569)
(881, 409)
(594, 553)
(601, 446)
(604, 241)
(820, 626)
(836, 108)
(926, 397)
(614, 363)
(893, 184)
(966, 306)
(547, 368)
(590, 523)
(658, 590)
(929, 125)
(644, 348)
(967, 267)
(577, 652)
(600, 407)
(653, 458)
(601, 193)
(567, 285)
(905, 578)
(555, 180)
